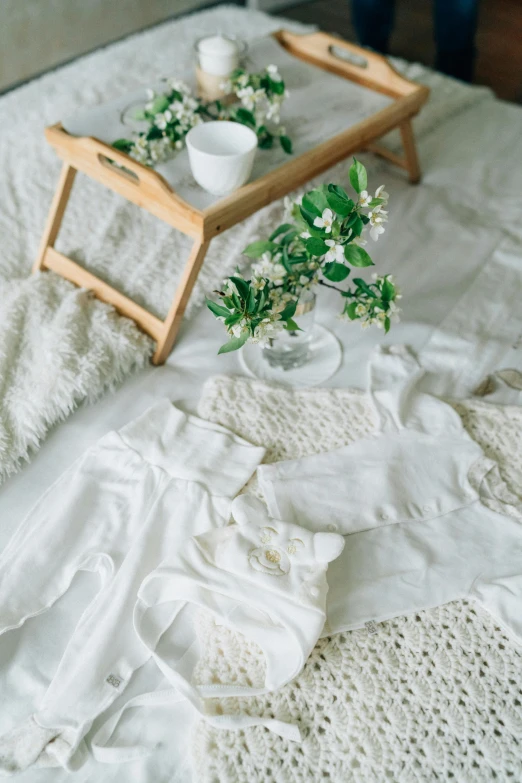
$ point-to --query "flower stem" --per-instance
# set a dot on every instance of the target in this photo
(333, 287)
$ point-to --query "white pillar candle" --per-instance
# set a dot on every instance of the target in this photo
(218, 55)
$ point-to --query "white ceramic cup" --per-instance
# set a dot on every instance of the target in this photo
(221, 155)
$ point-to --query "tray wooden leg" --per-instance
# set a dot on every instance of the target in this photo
(410, 152)
(410, 161)
(56, 213)
(177, 309)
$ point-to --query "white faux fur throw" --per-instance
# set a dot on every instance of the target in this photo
(58, 346)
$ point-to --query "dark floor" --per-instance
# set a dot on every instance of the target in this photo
(499, 37)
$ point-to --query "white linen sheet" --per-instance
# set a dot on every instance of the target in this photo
(441, 234)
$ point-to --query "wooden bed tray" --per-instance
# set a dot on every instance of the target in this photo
(148, 189)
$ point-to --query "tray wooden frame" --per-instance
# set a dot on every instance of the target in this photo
(146, 188)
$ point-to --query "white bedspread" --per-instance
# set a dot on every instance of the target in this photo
(442, 237)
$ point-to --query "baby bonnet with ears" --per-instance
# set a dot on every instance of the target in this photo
(261, 577)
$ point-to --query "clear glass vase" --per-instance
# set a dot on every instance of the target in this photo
(292, 349)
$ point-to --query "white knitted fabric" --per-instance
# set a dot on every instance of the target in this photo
(432, 696)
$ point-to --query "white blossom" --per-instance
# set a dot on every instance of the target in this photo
(381, 193)
(359, 241)
(273, 72)
(325, 221)
(162, 119)
(270, 269)
(364, 199)
(336, 252)
(377, 218)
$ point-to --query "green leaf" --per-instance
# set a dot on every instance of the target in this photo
(289, 237)
(234, 343)
(340, 206)
(351, 220)
(286, 144)
(316, 247)
(335, 272)
(159, 104)
(364, 286)
(357, 256)
(315, 202)
(375, 202)
(358, 177)
(265, 141)
(289, 311)
(285, 261)
(350, 311)
(154, 133)
(338, 191)
(256, 249)
(123, 144)
(282, 229)
(261, 301)
(292, 326)
(233, 318)
(357, 226)
(242, 287)
(246, 117)
(387, 324)
(388, 290)
(218, 310)
(277, 87)
(251, 301)
(309, 218)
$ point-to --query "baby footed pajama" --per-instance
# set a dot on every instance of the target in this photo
(123, 507)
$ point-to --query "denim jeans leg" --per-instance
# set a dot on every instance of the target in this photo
(455, 23)
(373, 22)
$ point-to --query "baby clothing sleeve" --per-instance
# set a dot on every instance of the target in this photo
(389, 476)
(131, 500)
(393, 386)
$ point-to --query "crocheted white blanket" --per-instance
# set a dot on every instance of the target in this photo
(432, 696)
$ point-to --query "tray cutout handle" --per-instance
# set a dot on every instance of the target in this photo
(347, 56)
(119, 168)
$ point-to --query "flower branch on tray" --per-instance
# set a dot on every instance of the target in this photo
(172, 113)
(322, 241)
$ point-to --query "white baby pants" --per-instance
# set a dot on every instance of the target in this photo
(128, 503)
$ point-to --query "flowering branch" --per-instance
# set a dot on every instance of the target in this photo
(173, 113)
(323, 243)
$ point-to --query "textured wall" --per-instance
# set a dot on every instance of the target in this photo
(38, 34)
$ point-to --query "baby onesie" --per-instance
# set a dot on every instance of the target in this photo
(262, 577)
(118, 511)
(426, 516)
